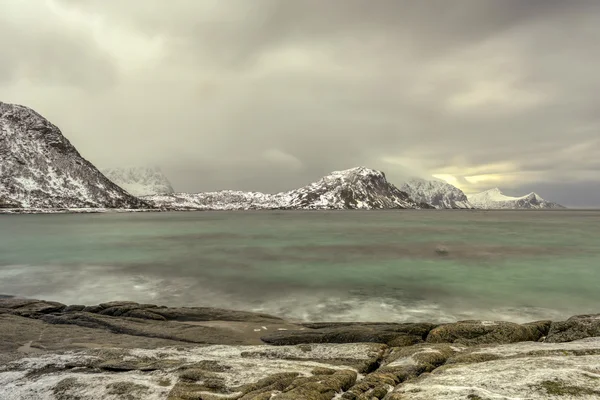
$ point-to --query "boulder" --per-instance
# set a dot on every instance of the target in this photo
(484, 332)
(576, 327)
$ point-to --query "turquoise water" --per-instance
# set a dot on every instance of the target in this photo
(378, 266)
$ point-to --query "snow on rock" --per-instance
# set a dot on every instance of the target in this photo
(356, 188)
(140, 181)
(495, 199)
(437, 193)
(40, 168)
(223, 200)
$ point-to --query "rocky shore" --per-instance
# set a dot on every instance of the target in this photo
(126, 350)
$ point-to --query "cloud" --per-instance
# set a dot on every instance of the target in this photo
(269, 95)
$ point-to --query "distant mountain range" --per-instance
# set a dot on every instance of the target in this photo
(495, 199)
(357, 188)
(40, 168)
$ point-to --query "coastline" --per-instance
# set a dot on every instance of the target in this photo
(131, 350)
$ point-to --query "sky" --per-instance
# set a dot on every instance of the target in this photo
(270, 95)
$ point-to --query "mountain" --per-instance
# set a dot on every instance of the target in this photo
(40, 168)
(356, 188)
(140, 181)
(437, 193)
(495, 199)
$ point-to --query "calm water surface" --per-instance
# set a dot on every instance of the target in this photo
(372, 266)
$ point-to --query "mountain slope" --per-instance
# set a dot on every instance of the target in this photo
(356, 188)
(40, 168)
(495, 199)
(140, 181)
(438, 194)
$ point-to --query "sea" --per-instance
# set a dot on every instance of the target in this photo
(377, 266)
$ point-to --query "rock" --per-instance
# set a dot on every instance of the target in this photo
(483, 332)
(399, 365)
(183, 314)
(74, 308)
(148, 328)
(42, 169)
(522, 370)
(319, 387)
(576, 327)
(209, 372)
(366, 361)
(269, 385)
(390, 334)
(29, 307)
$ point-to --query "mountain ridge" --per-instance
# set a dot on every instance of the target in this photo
(40, 167)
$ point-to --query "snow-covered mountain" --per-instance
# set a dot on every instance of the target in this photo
(437, 193)
(40, 168)
(495, 199)
(356, 188)
(140, 181)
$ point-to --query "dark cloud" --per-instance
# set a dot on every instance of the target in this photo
(272, 94)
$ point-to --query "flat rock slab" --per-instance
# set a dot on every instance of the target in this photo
(513, 371)
(209, 372)
(128, 309)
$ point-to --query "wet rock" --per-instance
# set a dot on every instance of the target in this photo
(74, 308)
(183, 314)
(390, 334)
(484, 332)
(576, 327)
(148, 328)
(29, 307)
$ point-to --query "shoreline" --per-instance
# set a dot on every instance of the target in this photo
(38, 211)
(132, 350)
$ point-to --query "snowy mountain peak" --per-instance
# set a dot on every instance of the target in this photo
(437, 193)
(355, 188)
(495, 199)
(40, 168)
(140, 181)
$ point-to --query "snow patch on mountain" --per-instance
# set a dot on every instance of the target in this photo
(437, 193)
(356, 188)
(140, 181)
(495, 199)
(40, 168)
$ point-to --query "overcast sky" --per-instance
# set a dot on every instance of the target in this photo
(272, 94)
